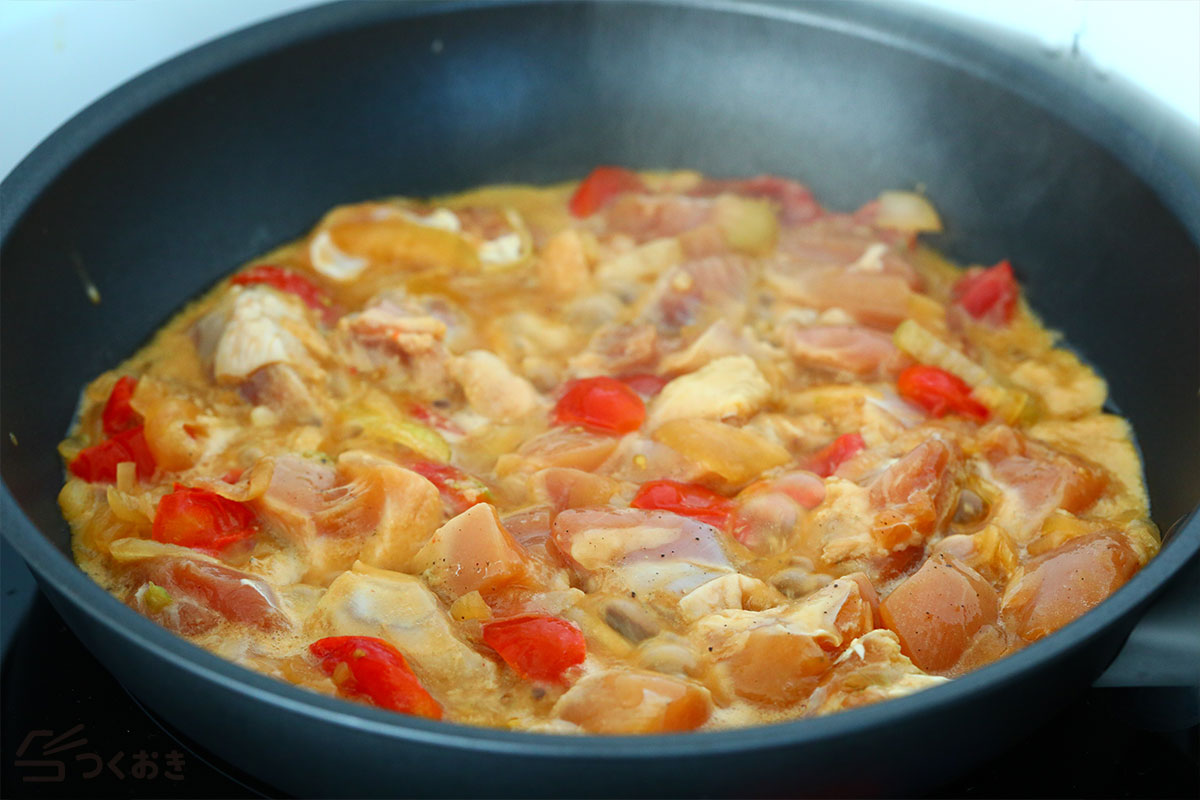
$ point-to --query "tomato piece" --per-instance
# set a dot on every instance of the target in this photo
(645, 384)
(376, 671)
(459, 490)
(285, 280)
(937, 611)
(1063, 584)
(988, 294)
(202, 519)
(601, 186)
(118, 415)
(939, 392)
(826, 461)
(687, 499)
(601, 404)
(98, 463)
(538, 647)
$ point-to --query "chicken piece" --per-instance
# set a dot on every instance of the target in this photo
(876, 299)
(492, 389)
(728, 388)
(939, 611)
(777, 656)
(839, 530)
(639, 459)
(563, 269)
(471, 552)
(645, 217)
(795, 203)
(558, 447)
(841, 241)
(265, 327)
(191, 593)
(1036, 481)
(562, 488)
(172, 422)
(616, 348)
(859, 351)
(769, 511)
(1107, 440)
(915, 496)
(871, 669)
(367, 506)
(399, 609)
(1058, 587)
(699, 291)
(658, 555)
(717, 341)
(404, 342)
(280, 388)
(410, 509)
(622, 273)
(735, 591)
(625, 701)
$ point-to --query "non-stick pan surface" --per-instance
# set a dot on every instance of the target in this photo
(164, 185)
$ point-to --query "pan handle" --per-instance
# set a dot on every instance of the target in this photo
(1164, 647)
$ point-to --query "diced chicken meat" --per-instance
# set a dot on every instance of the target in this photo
(396, 334)
(471, 553)
(493, 389)
(699, 291)
(916, 495)
(626, 701)
(193, 595)
(400, 609)
(658, 555)
(871, 669)
(264, 327)
(368, 507)
(776, 657)
(862, 352)
(732, 387)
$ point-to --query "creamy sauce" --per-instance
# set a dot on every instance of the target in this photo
(404, 426)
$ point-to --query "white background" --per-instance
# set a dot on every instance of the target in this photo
(57, 56)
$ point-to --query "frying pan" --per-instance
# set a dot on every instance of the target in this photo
(164, 185)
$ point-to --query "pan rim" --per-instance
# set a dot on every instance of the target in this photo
(41, 167)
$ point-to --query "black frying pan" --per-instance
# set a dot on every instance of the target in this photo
(167, 183)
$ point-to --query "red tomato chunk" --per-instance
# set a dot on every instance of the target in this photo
(988, 294)
(376, 671)
(939, 392)
(459, 490)
(687, 499)
(603, 404)
(601, 186)
(98, 463)
(825, 462)
(202, 519)
(539, 648)
(118, 415)
(286, 280)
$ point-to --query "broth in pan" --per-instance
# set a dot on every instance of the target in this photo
(651, 452)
